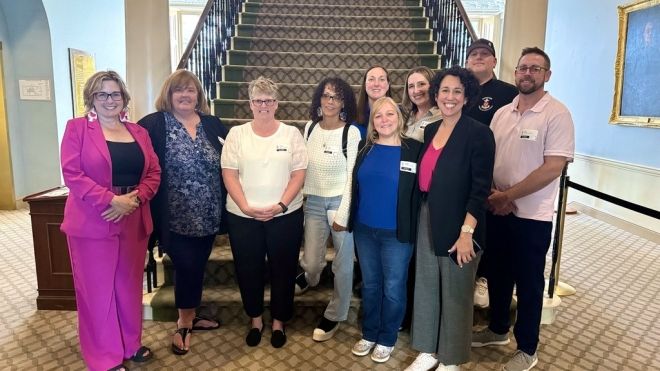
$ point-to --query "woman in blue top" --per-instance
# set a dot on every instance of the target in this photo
(383, 219)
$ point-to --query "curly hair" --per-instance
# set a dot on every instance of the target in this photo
(408, 106)
(345, 93)
(470, 84)
(363, 99)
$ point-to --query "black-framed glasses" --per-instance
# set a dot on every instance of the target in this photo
(262, 102)
(334, 98)
(531, 69)
(103, 96)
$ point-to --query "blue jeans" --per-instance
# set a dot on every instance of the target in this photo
(317, 230)
(384, 263)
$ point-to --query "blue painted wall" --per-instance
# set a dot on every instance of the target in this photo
(581, 39)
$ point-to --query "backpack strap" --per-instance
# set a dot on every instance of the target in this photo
(344, 139)
(309, 130)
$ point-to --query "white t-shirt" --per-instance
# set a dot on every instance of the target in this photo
(329, 173)
(264, 164)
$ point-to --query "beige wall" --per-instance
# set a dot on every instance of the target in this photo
(524, 25)
(147, 52)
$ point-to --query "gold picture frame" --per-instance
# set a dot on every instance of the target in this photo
(82, 67)
(636, 73)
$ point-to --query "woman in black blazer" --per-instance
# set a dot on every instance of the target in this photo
(383, 221)
(455, 172)
(189, 208)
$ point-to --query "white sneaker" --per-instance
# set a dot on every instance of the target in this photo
(381, 353)
(442, 367)
(363, 347)
(423, 362)
(481, 293)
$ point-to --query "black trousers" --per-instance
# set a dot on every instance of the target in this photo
(189, 256)
(279, 241)
(517, 248)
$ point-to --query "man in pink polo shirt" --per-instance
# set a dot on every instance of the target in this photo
(534, 141)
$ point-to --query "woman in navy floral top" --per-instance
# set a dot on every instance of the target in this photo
(189, 206)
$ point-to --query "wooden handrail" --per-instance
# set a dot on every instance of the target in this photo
(466, 19)
(183, 63)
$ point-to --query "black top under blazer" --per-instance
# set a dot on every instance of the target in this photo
(408, 191)
(461, 181)
(155, 125)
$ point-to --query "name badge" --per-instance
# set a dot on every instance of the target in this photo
(221, 140)
(529, 134)
(281, 148)
(408, 167)
(330, 150)
(423, 124)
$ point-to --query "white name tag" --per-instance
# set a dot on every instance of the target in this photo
(529, 134)
(329, 150)
(423, 124)
(408, 167)
(222, 141)
(281, 148)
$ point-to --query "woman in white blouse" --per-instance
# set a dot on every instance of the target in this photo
(263, 167)
(332, 148)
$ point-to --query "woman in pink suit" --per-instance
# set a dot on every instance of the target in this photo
(112, 172)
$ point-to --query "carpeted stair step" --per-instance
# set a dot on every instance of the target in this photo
(330, 60)
(333, 21)
(219, 270)
(240, 109)
(346, 2)
(288, 92)
(297, 75)
(230, 122)
(333, 46)
(227, 302)
(333, 33)
(335, 10)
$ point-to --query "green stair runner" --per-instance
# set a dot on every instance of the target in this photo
(297, 45)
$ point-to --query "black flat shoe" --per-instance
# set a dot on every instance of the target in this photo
(142, 355)
(253, 337)
(119, 368)
(278, 339)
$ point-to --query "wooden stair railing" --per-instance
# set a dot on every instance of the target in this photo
(451, 29)
(207, 50)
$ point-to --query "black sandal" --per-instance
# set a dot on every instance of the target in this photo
(183, 332)
(204, 328)
(119, 367)
(142, 355)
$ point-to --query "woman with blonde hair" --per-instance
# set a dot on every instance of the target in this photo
(112, 172)
(188, 208)
(383, 220)
(263, 167)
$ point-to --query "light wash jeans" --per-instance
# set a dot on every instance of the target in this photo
(317, 230)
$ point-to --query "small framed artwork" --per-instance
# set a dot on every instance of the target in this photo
(82, 66)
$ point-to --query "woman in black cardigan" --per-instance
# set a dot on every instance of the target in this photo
(455, 173)
(189, 208)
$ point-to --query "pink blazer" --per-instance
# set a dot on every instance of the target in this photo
(87, 171)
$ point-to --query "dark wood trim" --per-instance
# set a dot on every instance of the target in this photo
(183, 63)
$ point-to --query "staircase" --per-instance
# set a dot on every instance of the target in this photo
(297, 45)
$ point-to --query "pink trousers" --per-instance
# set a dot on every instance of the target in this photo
(107, 275)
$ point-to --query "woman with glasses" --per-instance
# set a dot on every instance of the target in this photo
(263, 166)
(418, 105)
(455, 172)
(112, 172)
(383, 219)
(331, 147)
(375, 85)
(188, 208)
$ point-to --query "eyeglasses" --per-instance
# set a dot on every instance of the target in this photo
(532, 69)
(334, 98)
(261, 102)
(103, 96)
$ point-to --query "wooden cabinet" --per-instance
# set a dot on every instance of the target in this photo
(51, 252)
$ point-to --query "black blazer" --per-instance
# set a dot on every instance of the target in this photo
(408, 192)
(155, 125)
(461, 181)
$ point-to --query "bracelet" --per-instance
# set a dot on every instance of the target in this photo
(283, 206)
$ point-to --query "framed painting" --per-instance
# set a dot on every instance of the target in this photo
(82, 66)
(637, 75)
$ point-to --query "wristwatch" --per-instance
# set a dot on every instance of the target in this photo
(283, 206)
(467, 229)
